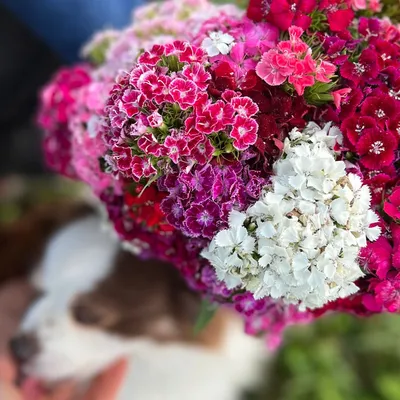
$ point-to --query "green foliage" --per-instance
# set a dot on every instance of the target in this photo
(391, 9)
(206, 314)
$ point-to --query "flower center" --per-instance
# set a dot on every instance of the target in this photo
(205, 218)
(385, 57)
(359, 128)
(359, 68)
(380, 113)
(293, 8)
(395, 94)
(377, 147)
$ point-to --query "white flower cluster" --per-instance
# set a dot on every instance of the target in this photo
(301, 240)
(218, 43)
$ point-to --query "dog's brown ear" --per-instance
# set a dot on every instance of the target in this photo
(23, 242)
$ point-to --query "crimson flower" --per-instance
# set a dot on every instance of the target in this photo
(285, 13)
(376, 148)
(365, 68)
(392, 205)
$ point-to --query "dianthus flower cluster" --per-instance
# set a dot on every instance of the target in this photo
(198, 128)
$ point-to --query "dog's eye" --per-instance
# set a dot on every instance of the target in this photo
(86, 315)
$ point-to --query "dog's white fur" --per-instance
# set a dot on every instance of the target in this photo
(77, 258)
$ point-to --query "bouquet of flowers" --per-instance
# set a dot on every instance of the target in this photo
(257, 151)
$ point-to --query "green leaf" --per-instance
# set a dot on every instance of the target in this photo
(207, 311)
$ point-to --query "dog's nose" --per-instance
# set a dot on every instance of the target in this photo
(24, 347)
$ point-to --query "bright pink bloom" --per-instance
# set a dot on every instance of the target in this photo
(376, 148)
(122, 157)
(274, 68)
(131, 102)
(284, 13)
(395, 229)
(340, 20)
(302, 75)
(200, 149)
(388, 294)
(197, 74)
(392, 204)
(149, 145)
(324, 71)
(221, 115)
(244, 132)
(141, 167)
(155, 119)
(184, 92)
(338, 95)
(244, 106)
(176, 147)
(153, 56)
(376, 257)
(150, 85)
(192, 54)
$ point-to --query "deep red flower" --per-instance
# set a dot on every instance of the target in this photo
(388, 294)
(362, 70)
(376, 148)
(354, 127)
(285, 13)
(258, 9)
(381, 107)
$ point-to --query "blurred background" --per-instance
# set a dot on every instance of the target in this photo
(336, 358)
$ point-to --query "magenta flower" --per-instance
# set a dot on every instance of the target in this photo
(392, 204)
(284, 13)
(153, 56)
(131, 102)
(244, 132)
(184, 92)
(376, 257)
(176, 147)
(122, 157)
(388, 294)
(395, 228)
(149, 145)
(197, 74)
(200, 149)
(247, 305)
(221, 114)
(201, 219)
(376, 149)
(244, 106)
(362, 70)
(150, 85)
(141, 167)
(155, 119)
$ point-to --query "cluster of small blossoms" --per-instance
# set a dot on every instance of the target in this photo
(57, 101)
(160, 113)
(292, 61)
(302, 239)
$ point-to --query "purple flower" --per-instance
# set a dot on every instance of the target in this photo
(201, 219)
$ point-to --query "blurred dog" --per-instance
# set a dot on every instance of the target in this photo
(99, 303)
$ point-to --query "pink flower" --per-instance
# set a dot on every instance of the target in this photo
(176, 147)
(200, 149)
(395, 228)
(388, 294)
(197, 74)
(376, 149)
(274, 67)
(339, 20)
(155, 119)
(376, 257)
(244, 106)
(131, 102)
(221, 115)
(122, 156)
(150, 85)
(324, 71)
(149, 145)
(302, 77)
(244, 132)
(184, 92)
(392, 204)
(141, 167)
(153, 56)
(338, 96)
(192, 54)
